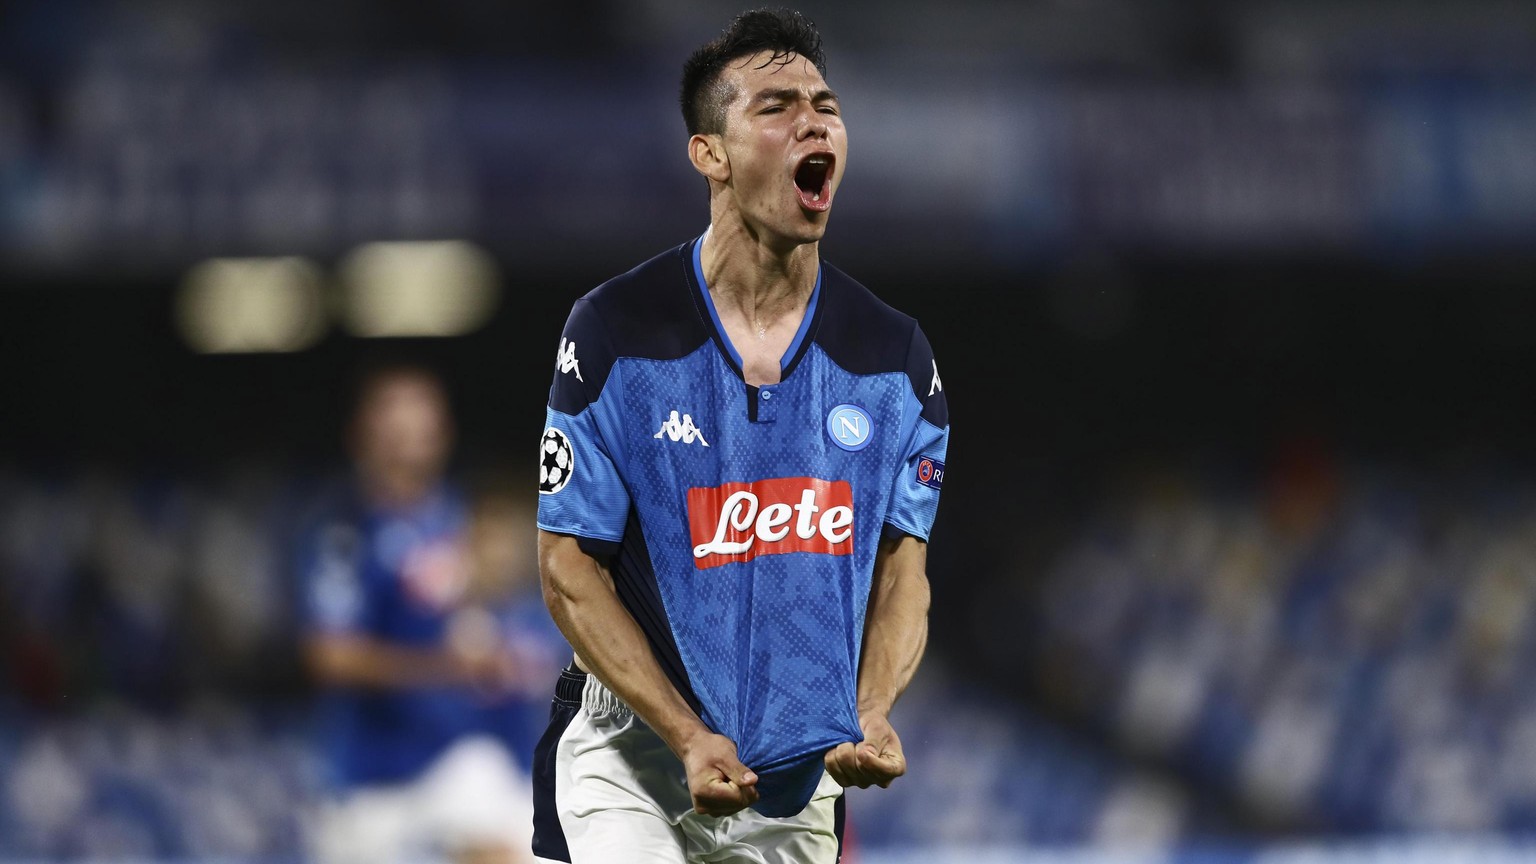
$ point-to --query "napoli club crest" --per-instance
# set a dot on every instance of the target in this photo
(556, 461)
(850, 427)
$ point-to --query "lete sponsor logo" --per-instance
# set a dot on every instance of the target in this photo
(740, 521)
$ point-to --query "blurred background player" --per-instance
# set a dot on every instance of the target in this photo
(411, 669)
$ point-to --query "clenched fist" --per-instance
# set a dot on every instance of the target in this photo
(875, 761)
(719, 783)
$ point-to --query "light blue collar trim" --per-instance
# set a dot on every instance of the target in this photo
(709, 303)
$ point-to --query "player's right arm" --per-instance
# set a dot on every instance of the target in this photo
(583, 514)
(609, 644)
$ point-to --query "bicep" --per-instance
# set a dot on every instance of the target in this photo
(901, 558)
(566, 568)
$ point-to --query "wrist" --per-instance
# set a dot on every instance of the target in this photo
(873, 707)
(686, 738)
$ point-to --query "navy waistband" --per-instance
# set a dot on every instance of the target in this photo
(568, 688)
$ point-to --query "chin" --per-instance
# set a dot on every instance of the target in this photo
(809, 231)
(795, 229)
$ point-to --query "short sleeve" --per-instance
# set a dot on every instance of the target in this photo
(581, 489)
(920, 477)
(333, 596)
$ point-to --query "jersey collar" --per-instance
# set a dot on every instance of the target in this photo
(792, 353)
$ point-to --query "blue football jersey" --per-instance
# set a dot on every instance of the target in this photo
(741, 523)
(394, 575)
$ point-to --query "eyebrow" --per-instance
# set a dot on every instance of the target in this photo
(789, 94)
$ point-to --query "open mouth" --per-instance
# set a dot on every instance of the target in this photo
(813, 181)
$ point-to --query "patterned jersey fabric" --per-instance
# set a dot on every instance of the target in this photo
(741, 523)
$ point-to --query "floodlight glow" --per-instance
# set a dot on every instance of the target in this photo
(418, 288)
(251, 305)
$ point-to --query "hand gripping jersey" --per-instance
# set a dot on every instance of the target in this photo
(741, 523)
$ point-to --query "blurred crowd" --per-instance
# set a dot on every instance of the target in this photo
(148, 676)
(155, 134)
(1336, 645)
(1331, 645)
(1326, 644)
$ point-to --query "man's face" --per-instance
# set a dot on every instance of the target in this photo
(403, 427)
(786, 145)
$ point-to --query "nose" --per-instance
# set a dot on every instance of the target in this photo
(810, 124)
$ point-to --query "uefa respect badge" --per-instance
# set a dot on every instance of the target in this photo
(930, 472)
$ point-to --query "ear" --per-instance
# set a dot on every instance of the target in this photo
(707, 153)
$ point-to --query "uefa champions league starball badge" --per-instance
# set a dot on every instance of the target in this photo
(556, 461)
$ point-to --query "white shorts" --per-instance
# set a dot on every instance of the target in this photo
(607, 789)
(473, 796)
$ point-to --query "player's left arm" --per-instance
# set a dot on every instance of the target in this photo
(895, 635)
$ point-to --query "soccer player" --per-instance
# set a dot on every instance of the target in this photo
(740, 468)
(414, 776)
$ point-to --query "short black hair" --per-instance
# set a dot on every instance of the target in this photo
(785, 32)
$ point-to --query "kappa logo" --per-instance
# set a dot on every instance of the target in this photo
(681, 430)
(565, 359)
(937, 386)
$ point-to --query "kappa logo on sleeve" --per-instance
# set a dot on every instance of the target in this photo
(565, 359)
(556, 461)
(930, 473)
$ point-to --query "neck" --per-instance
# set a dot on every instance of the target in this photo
(760, 276)
(395, 489)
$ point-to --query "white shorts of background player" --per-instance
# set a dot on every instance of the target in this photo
(473, 795)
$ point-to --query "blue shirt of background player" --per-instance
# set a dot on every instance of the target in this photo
(518, 719)
(392, 575)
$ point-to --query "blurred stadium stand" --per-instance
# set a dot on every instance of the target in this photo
(1235, 302)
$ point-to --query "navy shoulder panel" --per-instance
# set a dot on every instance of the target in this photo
(647, 312)
(866, 336)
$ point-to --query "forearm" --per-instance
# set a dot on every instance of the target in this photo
(360, 661)
(608, 642)
(895, 628)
